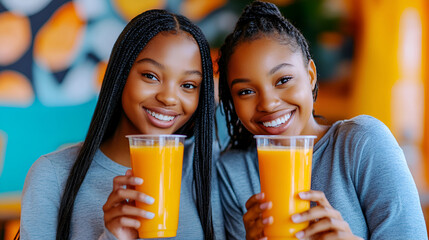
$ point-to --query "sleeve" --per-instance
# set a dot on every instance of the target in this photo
(40, 202)
(232, 213)
(387, 192)
(107, 235)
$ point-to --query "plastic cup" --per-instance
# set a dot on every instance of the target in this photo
(157, 159)
(284, 170)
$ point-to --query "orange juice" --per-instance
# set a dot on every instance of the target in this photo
(161, 169)
(284, 172)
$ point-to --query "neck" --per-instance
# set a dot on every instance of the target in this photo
(117, 147)
(314, 128)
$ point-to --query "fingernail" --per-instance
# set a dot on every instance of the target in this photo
(138, 180)
(147, 199)
(268, 220)
(265, 205)
(264, 238)
(260, 196)
(149, 215)
(303, 195)
(299, 234)
(296, 218)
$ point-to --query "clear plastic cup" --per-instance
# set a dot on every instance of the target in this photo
(157, 159)
(285, 170)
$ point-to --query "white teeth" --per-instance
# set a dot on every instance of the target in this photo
(278, 121)
(160, 116)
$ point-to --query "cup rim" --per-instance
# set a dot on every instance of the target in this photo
(285, 137)
(154, 135)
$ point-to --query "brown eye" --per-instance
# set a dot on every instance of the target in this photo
(150, 76)
(283, 80)
(189, 86)
(245, 92)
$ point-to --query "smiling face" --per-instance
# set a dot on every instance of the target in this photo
(271, 88)
(162, 89)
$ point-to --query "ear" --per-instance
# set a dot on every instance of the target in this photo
(312, 73)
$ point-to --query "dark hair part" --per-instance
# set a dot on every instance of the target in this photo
(138, 32)
(258, 19)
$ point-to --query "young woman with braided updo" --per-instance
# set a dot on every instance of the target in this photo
(361, 185)
(159, 80)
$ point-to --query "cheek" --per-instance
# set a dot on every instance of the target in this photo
(305, 99)
(127, 97)
(133, 94)
(190, 102)
(243, 109)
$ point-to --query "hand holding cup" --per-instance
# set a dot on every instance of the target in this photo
(253, 221)
(325, 221)
(120, 212)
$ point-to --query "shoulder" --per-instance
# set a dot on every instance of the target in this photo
(362, 142)
(363, 129)
(64, 157)
(57, 163)
(362, 123)
(369, 147)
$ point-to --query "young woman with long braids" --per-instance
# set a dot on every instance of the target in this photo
(159, 80)
(361, 185)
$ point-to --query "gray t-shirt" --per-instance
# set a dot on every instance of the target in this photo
(45, 183)
(357, 164)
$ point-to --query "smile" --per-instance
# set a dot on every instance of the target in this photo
(277, 122)
(159, 116)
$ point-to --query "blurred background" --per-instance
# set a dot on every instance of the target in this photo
(370, 56)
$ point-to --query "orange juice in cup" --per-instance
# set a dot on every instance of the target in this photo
(285, 170)
(157, 159)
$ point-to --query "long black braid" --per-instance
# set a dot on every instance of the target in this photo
(204, 122)
(257, 20)
(129, 44)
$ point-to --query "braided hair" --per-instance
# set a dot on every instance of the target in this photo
(258, 19)
(138, 32)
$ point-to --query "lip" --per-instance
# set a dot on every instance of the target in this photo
(272, 116)
(160, 123)
(278, 130)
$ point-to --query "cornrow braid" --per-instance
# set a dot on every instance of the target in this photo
(257, 20)
(138, 32)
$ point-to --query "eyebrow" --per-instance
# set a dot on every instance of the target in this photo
(276, 68)
(239, 80)
(194, 72)
(159, 65)
(271, 72)
(149, 60)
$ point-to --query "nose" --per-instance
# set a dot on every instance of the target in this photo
(167, 95)
(267, 101)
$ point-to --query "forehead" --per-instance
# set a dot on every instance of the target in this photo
(170, 44)
(262, 54)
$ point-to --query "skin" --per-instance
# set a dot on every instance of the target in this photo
(269, 81)
(159, 83)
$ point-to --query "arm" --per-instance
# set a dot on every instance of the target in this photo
(387, 192)
(40, 202)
